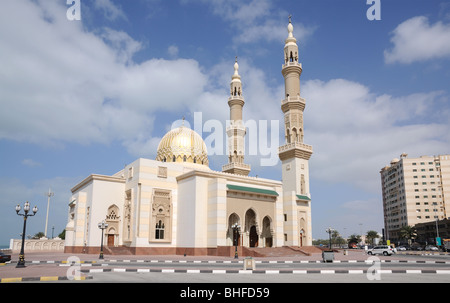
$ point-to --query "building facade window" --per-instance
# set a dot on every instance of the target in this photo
(159, 230)
(161, 218)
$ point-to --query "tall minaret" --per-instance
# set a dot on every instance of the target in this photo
(294, 154)
(236, 129)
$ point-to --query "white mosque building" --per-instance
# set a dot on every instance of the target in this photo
(176, 204)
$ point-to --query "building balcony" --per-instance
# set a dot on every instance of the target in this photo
(236, 97)
(293, 102)
(236, 168)
(291, 63)
(295, 150)
(295, 145)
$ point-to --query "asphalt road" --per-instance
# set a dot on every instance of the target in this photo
(355, 268)
(263, 278)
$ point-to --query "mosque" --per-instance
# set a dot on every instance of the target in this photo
(176, 204)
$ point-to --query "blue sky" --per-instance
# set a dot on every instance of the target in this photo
(90, 96)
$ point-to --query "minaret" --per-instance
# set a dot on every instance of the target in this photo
(294, 154)
(236, 130)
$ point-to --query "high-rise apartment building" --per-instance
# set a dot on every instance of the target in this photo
(415, 190)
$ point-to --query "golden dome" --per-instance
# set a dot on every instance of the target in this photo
(182, 144)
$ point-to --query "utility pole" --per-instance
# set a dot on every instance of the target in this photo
(49, 194)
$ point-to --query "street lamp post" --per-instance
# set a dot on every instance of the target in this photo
(328, 255)
(329, 230)
(102, 225)
(49, 194)
(235, 228)
(26, 209)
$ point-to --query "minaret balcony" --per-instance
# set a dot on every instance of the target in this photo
(295, 150)
(295, 102)
(237, 129)
(292, 63)
(236, 100)
(236, 168)
(237, 97)
(293, 99)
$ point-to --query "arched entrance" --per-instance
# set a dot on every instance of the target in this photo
(302, 231)
(111, 237)
(113, 219)
(266, 235)
(253, 237)
(251, 229)
(233, 235)
(300, 243)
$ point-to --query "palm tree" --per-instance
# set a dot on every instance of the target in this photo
(408, 232)
(371, 235)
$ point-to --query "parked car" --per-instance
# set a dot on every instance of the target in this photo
(416, 247)
(4, 258)
(382, 249)
(431, 247)
(402, 248)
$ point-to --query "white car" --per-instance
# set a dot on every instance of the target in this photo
(382, 250)
(431, 247)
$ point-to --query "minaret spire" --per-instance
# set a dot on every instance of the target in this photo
(236, 131)
(293, 105)
(294, 154)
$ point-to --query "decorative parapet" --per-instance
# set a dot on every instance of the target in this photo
(38, 245)
(236, 98)
(295, 149)
(293, 102)
(237, 168)
(291, 63)
(293, 145)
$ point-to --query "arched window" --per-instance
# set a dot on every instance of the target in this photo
(173, 159)
(184, 158)
(159, 230)
(160, 219)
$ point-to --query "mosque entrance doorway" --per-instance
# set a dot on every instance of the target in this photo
(253, 237)
(111, 240)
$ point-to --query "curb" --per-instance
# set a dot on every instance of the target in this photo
(104, 263)
(42, 279)
(287, 271)
(241, 261)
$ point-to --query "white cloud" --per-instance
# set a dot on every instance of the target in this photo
(418, 40)
(355, 133)
(61, 83)
(31, 163)
(110, 10)
(124, 46)
(256, 20)
(173, 50)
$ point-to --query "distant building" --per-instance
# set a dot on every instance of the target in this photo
(427, 232)
(415, 190)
